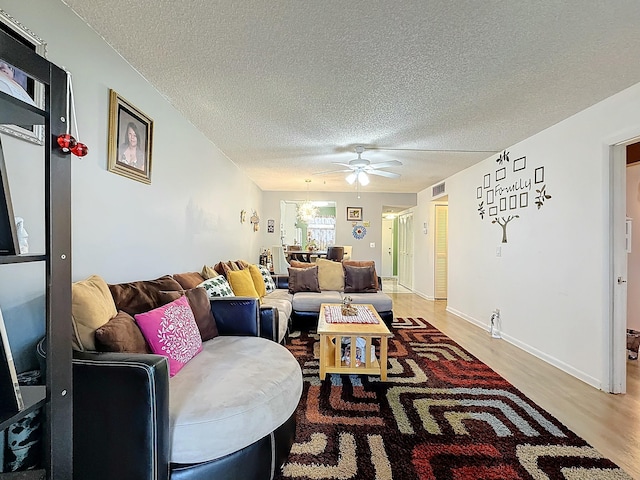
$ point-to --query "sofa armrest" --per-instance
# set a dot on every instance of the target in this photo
(120, 416)
(269, 323)
(237, 315)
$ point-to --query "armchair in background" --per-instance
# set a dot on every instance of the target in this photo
(280, 264)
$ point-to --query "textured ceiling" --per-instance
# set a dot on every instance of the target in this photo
(285, 88)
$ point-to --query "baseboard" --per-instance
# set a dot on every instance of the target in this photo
(574, 372)
(423, 295)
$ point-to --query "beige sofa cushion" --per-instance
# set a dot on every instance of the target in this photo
(233, 388)
(330, 275)
(92, 306)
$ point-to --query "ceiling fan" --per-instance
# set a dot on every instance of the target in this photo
(359, 168)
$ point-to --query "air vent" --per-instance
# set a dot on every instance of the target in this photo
(437, 190)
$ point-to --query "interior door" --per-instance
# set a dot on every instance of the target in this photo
(405, 250)
(441, 251)
(387, 248)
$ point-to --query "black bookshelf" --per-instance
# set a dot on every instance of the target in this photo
(56, 396)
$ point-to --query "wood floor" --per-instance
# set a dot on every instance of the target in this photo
(610, 423)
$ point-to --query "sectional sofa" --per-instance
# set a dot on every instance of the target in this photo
(227, 412)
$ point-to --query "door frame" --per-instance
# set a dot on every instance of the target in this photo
(615, 346)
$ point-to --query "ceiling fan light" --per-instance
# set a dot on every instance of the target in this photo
(363, 178)
(351, 178)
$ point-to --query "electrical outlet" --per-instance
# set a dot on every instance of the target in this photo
(372, 244)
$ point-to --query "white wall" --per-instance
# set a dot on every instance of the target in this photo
(122, 229)
(633, 264)
(371, 204)
(552, 281)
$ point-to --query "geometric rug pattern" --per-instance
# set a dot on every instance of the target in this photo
(441, 414)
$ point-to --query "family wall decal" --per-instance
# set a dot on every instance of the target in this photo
(504, 194)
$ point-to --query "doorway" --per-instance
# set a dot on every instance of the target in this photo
(617, 357)
(387, 247)
(405, 250)
(441, 251)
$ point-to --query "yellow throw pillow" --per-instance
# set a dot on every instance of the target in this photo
(258, 281)
(208, 272)
(242, 283)
(330, 275)
(92, 306)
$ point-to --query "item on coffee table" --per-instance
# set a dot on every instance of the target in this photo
(348, 310)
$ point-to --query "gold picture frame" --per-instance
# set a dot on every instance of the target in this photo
(130, 140)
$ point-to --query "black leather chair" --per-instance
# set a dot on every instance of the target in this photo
(335, 253)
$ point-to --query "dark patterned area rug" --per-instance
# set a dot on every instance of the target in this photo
(442, 414)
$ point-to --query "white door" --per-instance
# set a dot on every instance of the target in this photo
(441, 251)
(387, 248)
(405, 250)
(617, 379)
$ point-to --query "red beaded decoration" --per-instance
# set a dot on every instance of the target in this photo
(80, 150)
(67, 142)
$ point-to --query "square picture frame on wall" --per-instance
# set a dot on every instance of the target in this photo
(354, 214)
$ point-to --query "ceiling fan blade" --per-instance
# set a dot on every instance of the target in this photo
(332, 171)
(343, 164)
(383, 173)
(390, 163)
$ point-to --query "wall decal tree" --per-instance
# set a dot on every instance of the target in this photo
(503, 223)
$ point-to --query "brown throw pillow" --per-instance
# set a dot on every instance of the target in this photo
(241, 264)
(297, 264)
(363, 263)
(121, 334)
(189, 279)
(303, 279)
(200, 306)
(141, 296)
(359, 279)
(223, 267)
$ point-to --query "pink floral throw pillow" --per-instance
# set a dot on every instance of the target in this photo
(171, 331)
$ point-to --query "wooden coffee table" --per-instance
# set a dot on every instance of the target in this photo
(331, 335)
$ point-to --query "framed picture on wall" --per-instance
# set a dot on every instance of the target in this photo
(130, 140)
(354, 214)
(18, 84)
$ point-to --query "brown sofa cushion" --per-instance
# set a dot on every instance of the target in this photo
(242, 264)
(298, 264)
(200, 306)
(223, 267)
(303, 279)
(189, 279)
(359, 279)
(141, 296)
(363, 263)
(121, 334)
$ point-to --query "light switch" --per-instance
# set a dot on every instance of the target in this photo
(372, 244)
(498, 251)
